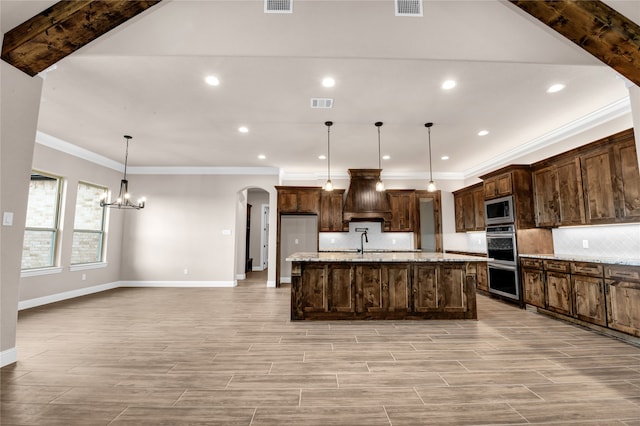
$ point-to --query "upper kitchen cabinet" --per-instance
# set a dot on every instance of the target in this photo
(512, 180)
(611, 180)
(298, 199)
(557, 193)
(403, 206)
(330, 219)
(469, 208)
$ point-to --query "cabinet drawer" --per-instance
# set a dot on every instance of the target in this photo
(531, 263)
(556, 265)
(590, 269)
(622, 272)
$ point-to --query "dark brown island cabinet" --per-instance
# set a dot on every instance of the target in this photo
(383, 286)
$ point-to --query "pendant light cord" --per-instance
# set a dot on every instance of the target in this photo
(430, 166)
(379, 165)
(126, 156)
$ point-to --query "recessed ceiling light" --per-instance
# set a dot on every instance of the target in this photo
(262, 156)
(328, 82)
(444, 157)
(322, 157)
(243, 129)
(386, 157)
(449, 84)
(483, 133)
(555, 88)
(212, 80)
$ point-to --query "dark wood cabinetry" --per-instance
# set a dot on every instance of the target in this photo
(598, 183)
(623, 298)
(330, 219)
(383, 290)
(403, 206)
(513, 180)
(593, 293)
(469, 208)
(292, 199)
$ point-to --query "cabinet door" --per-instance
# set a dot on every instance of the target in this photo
(504, 185)
(627, 181)
(589, 300)
(482, 277)
(469, 211)
(533, 287)
(490, 188)
(570, 200)
(331, 211)
(425, 292)
(340, 288)
(623, 299)
(369, 288)
(598, 186)
(314, 294)
(545, 196)
(459, 212)
(288, 201)
(395, 287)
(451, 280)
(478, 209)
(558, 293)
(402, 208)
(309, 201)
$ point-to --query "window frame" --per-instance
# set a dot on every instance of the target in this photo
(102, 231)
(55, 246)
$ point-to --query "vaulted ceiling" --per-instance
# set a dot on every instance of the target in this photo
(146, 78)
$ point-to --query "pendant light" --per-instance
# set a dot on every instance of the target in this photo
(329, 185)
(431, 187)
(379, 184)
(124, 198)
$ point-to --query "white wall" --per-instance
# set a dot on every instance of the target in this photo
(20, 103)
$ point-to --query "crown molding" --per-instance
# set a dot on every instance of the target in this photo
(270, 171)
(593, 119)
(74, 150)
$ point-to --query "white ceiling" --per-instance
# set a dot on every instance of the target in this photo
(146, 79)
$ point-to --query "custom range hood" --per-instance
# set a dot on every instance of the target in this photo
(363, 202)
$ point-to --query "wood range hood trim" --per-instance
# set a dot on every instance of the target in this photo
(362, 201)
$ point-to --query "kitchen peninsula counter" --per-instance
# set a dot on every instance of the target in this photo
(382, 285)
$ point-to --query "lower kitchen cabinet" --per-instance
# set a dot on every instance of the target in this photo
(369, 288)
(623, 298)
(482, 277)
(395, 288)
(340, 289)
(601, 294)
(589, 299)
(439, 288)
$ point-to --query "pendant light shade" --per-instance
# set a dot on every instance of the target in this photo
(431, 187)
(329, 185)
(124, 198)
(379, 184)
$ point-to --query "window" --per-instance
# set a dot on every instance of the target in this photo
(88, 225)
(42, 226)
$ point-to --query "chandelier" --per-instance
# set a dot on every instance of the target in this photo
(124, 198)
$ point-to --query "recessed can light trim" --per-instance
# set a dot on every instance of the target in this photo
(483, 133)
(554, 88)
(449, 84)
(212, 80)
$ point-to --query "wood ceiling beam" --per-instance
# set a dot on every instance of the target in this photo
(595, 27)
(65, 27)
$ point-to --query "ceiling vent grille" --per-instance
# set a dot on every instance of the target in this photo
(408, 7)
(278, 6)
(321, 103)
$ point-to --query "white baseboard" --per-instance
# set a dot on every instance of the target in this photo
(257, 268)
(8, 357)
(285, 280)
(184, 284)
(39, 301)
(241, 276)
(271, 284)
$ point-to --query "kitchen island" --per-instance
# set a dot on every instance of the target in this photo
(383, 285)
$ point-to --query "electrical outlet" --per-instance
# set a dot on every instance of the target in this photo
(186, 271)
(296, 241)
(84, 277)
(585, 244)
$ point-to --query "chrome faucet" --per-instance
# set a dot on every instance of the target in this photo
(363, 238)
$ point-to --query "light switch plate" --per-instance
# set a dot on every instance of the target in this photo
(7, 219)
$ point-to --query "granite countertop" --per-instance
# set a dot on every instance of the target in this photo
(409, 256)
(579, 258)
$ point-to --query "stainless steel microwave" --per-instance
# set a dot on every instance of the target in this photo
(498, 211)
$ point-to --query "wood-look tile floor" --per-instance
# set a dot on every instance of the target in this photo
(162, 356)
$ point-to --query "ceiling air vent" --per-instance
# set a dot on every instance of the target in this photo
(321, 103)
(408, 7)
(278, 6)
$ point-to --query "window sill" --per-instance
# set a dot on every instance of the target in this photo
(86, 266)
(41, 271)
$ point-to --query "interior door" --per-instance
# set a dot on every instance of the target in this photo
(264, 258)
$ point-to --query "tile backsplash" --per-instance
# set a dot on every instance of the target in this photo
(378, 240)
(622, 241)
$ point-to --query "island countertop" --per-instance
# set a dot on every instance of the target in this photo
(384, 257)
